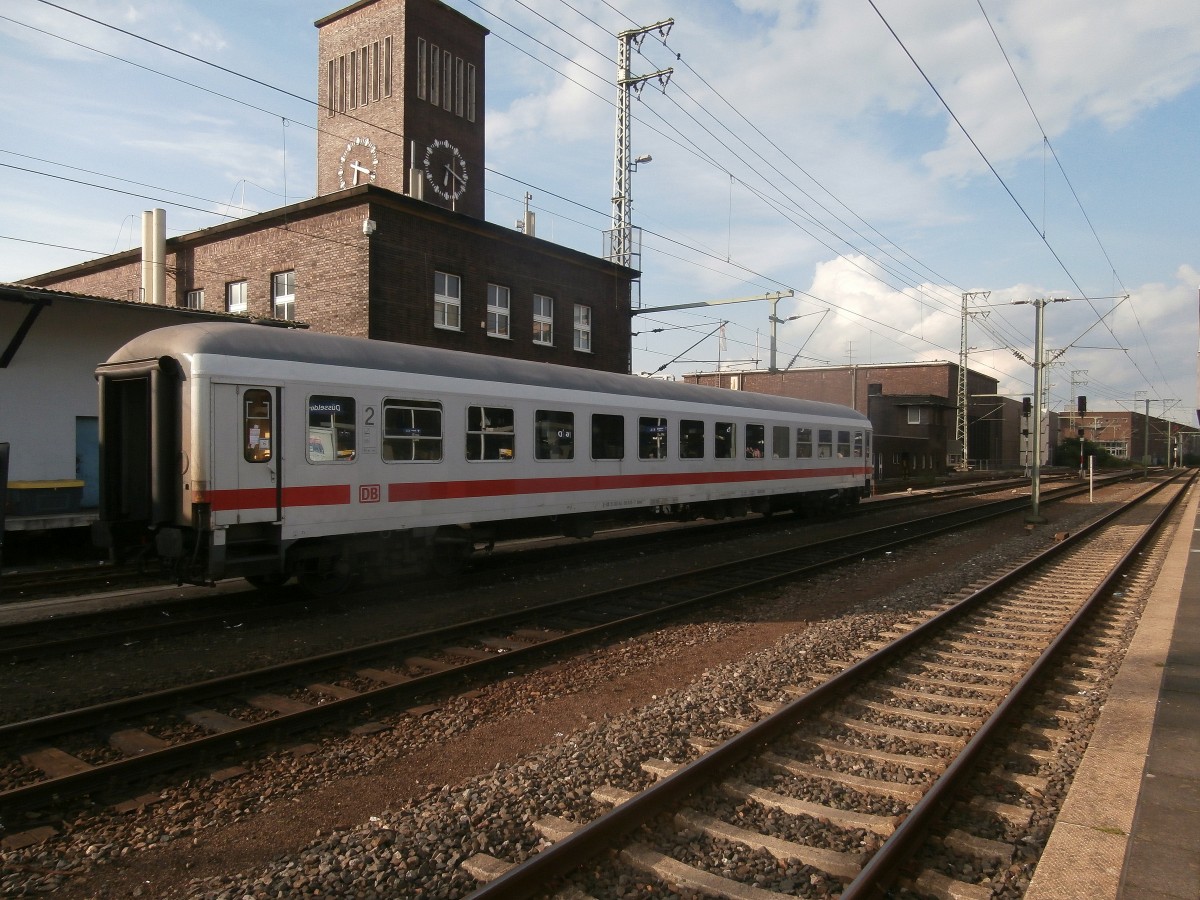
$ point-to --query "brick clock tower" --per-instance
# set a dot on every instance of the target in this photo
(400, 90)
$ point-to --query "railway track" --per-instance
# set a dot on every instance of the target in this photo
(39, 582)
(127, 742)
(875, 764)
(74, 631)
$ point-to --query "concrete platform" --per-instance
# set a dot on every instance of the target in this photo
(1131, 825)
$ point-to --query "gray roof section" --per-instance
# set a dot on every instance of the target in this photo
(359, 353)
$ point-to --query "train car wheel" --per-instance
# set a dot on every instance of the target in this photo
(267, 583)
(327, 580)
(450, 551)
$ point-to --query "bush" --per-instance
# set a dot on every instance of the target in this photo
(1067, 454)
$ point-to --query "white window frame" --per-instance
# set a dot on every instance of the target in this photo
(447, 301)
(499, 305)
(583, 328)
(236, 294)
(194, 299)
(914, 415)
(283, 295)
(543, 320)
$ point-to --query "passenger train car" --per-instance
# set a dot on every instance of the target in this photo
(241, 450)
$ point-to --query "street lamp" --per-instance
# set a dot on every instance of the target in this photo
(775, 320)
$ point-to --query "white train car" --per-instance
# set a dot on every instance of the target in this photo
(229, 450)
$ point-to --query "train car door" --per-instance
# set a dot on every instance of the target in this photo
(246, 481)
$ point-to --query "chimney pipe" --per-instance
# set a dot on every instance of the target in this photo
(154, 256)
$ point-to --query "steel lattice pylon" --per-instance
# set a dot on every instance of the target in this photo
(620, 244)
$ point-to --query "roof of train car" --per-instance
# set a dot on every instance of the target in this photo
(235, 339)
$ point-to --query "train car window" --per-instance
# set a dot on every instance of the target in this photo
(652, 438)
(256, 425)
(804, 443)
(858, 445)
(490, 433)
(554, 434)
(691, 439)
(781, 442)
(330, 428)
(412, 431)
(608, 436)
(824, 443)
(755, 441)
(843, 446)
(726, 442)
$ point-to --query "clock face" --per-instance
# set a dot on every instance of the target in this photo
(445, 170)
(358, 164)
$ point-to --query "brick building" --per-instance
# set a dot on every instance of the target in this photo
(400, 86)
(394, 246)
(912, 407)
(368, 262)
(1131, 435)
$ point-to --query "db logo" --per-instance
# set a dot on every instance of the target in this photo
(368, 493)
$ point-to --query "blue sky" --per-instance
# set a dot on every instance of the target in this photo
(797, 146)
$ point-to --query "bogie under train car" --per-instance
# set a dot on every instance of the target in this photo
(239, 450)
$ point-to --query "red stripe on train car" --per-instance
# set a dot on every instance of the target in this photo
(507, 487)
(265, 498)
(401, 492)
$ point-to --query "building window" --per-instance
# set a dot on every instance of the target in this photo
(914, 415)
(470, 93)
(824, 443)
(331, 88)
(781, 443)
(652, 437)
(458, 86)
(330, 428)
(256, 425)
(543, 319)
(554, 434)
(726, 443)
(341, 105)
(583, 328)
(412, 430)
(283, 294)
(447, 301)
(843, 445)
(194, 300)
(374, 67)
(364, 94)
(422, 71)
(804, 443)
(755, 441)
(435, 74)
(490, 433)
(497, 311)
(235, 297)
(353, 79)
(691, 439)
(387, 67)
(447, 80)
(608, 436)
